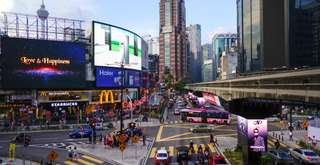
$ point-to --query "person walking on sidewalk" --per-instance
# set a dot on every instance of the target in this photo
(277, 144)
(290, 136)
(314, 141)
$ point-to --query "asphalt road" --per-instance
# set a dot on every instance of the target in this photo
(175, 134)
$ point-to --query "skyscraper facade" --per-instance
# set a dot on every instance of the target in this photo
(207, 51)
(172, 39)
(285, 34)
(195, 55)
(221, 42)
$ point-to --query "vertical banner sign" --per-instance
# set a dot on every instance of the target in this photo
(12, 149)
(257, 134)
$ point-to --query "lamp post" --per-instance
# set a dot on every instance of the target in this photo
(121, 100)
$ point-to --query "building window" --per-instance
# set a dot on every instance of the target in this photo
(167, 12)
(167, 50)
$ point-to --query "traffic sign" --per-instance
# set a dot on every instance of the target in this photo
(122, 138)
(12, 149)
(122, 147)
(135, 139)
(52, 155)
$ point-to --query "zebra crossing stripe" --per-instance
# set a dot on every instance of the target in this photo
(68, 162)
(212, 149)
(195, 146)
(153, 152)
(92, 159)
(84, 162)
(171, 150)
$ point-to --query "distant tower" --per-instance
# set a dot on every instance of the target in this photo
(43, 15)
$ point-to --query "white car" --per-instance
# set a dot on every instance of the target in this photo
(162, 154)
(305, 155)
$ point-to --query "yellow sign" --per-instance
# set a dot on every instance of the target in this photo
(106, 96)
(122, 147)
(12, 150)
(52, 155)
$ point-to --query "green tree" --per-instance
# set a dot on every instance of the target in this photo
(179, 85)
(168, 78)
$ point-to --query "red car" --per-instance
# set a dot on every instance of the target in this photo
(217, 160)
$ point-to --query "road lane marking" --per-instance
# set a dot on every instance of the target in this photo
(174, 136)
(84, 162)
(178, 126)
(153, 152)
(171, 150)
(92, 159)
(159, 133)
(186, 138)
(68, 162)
(212, 148)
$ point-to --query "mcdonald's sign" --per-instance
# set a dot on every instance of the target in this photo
(106, 96)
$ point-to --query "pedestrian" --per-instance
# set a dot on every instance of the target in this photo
(277, 144)
(290, 135)
(211, 138)
(75, 153)
(314, 141)
(144, 140)
(70, 154)
(105, 142)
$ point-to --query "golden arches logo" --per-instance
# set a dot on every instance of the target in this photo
(106, 96)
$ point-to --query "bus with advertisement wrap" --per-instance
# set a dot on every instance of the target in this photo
(199, 115)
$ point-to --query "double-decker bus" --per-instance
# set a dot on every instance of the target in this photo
(199, 115)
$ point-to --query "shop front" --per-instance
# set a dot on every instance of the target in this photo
(62, 106)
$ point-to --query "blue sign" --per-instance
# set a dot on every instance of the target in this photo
(111, 77)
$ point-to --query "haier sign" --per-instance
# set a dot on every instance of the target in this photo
(111, 77)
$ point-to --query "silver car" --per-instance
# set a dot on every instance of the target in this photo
(305, 155)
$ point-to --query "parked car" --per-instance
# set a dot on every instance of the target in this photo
(305, 155)
(81, 132)
(201, 128)
(182, 153)
(280, 157)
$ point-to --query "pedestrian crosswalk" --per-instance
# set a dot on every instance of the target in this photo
(172, 149)
(84, 160)
(173, 122)
(63, 145)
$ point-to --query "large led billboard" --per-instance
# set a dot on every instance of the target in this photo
(111, 77)
(113, 46)
(42, 64)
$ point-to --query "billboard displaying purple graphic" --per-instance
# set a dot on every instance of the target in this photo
(242, 125)
(257, 134)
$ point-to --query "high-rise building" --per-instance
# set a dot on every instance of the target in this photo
(285, 34)
(221, 42)
(207, 70)
(229, 62)
(172, 39)
(207, 52)
(195, 55)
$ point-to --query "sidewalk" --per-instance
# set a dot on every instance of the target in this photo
(132, 155)
(55, 128)
(18, 162)
(298, 135)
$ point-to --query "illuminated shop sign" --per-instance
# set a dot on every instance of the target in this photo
(106, 96)
(64, 104)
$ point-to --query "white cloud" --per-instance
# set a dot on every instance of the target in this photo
(6, 5)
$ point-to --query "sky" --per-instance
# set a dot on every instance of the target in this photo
(139, 16)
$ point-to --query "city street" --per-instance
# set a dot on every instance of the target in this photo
(175, 133)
